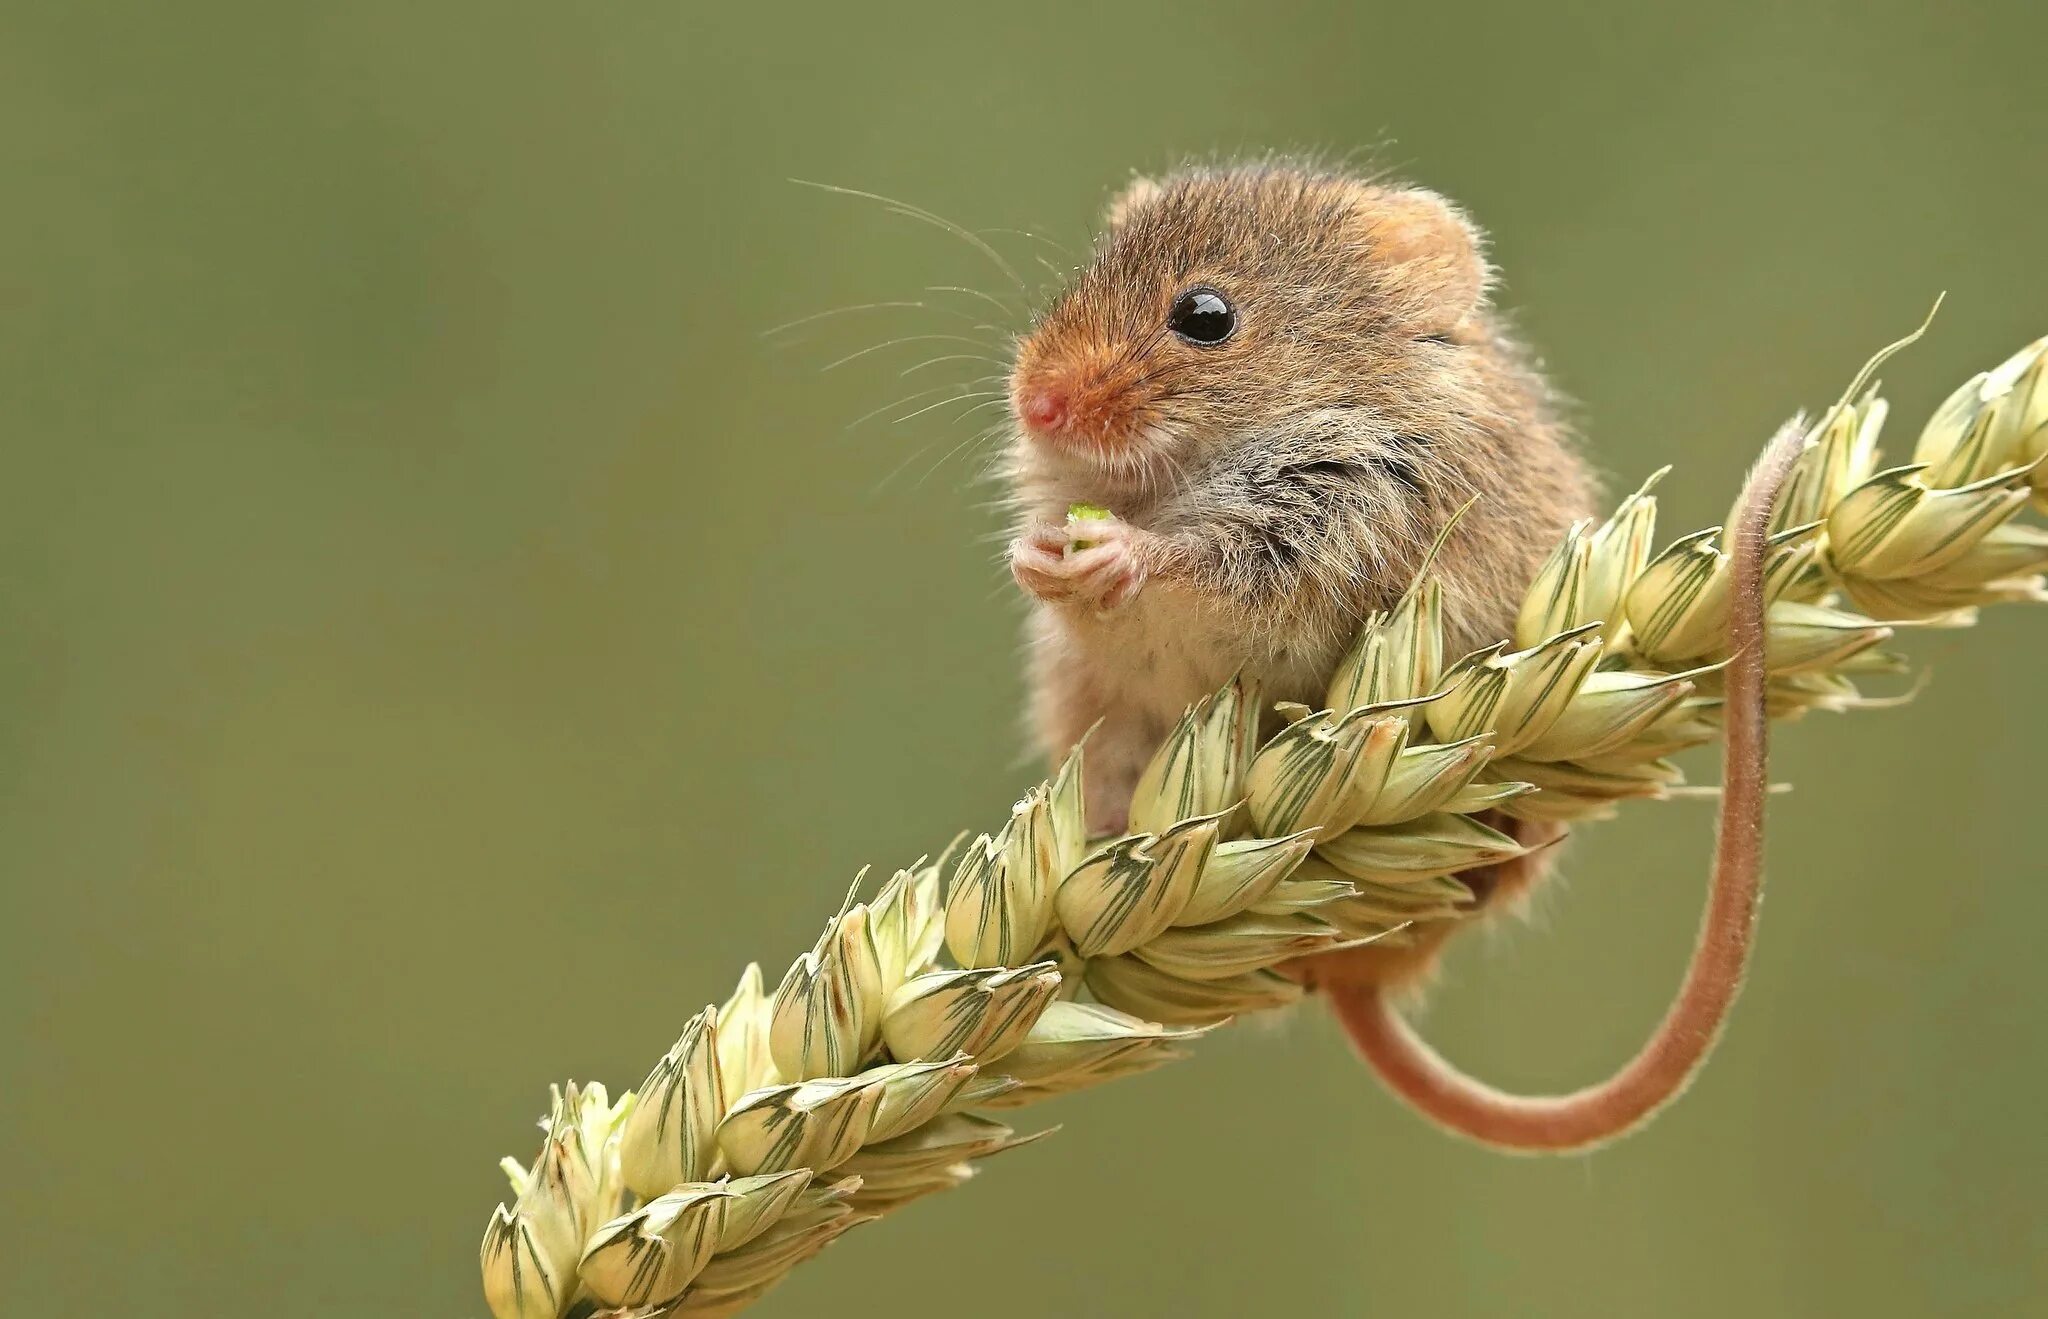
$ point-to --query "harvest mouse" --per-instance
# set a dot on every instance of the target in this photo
(1282, 383)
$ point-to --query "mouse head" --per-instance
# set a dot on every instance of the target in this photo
(1223, 301)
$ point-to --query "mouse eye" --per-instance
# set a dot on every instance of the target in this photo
(1202, 316)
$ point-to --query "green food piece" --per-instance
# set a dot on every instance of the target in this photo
(1085, 513)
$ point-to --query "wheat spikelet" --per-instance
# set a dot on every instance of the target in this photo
(1036, 961)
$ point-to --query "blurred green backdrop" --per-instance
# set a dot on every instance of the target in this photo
(445, 638)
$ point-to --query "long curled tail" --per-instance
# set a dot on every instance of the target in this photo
(1671, 1057)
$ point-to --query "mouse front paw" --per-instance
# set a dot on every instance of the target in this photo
(1105, 575)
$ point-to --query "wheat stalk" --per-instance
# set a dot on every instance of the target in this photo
(1035, 961)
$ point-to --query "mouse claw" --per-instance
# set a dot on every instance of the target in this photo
(1123, 586)
(1102, 577)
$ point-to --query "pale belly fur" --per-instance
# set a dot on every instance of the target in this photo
(1128, 676)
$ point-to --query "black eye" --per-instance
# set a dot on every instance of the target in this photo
(1202, 316)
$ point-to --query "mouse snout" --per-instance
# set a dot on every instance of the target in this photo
(1061, 403)
(1086, 398)
(1043, 406)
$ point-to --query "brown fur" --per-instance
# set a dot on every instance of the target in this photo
(1271, 491)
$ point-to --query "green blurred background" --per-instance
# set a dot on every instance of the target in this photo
(445, 639)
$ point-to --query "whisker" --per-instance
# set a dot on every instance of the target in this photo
(1035, 237)
(957, 398)
(858, 306)
(920, 452)
(895, 403)
(1060, 275)
(997, 401)
(951, 357)
(1001, 306)
(1134, 348)
(904, 339)
(1155, 374)
(979, 243)
(973, 439)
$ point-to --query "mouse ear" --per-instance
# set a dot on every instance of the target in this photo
(1430, 257)
(1140, 191)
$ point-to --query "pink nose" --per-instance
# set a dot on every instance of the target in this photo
(1042, 408)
